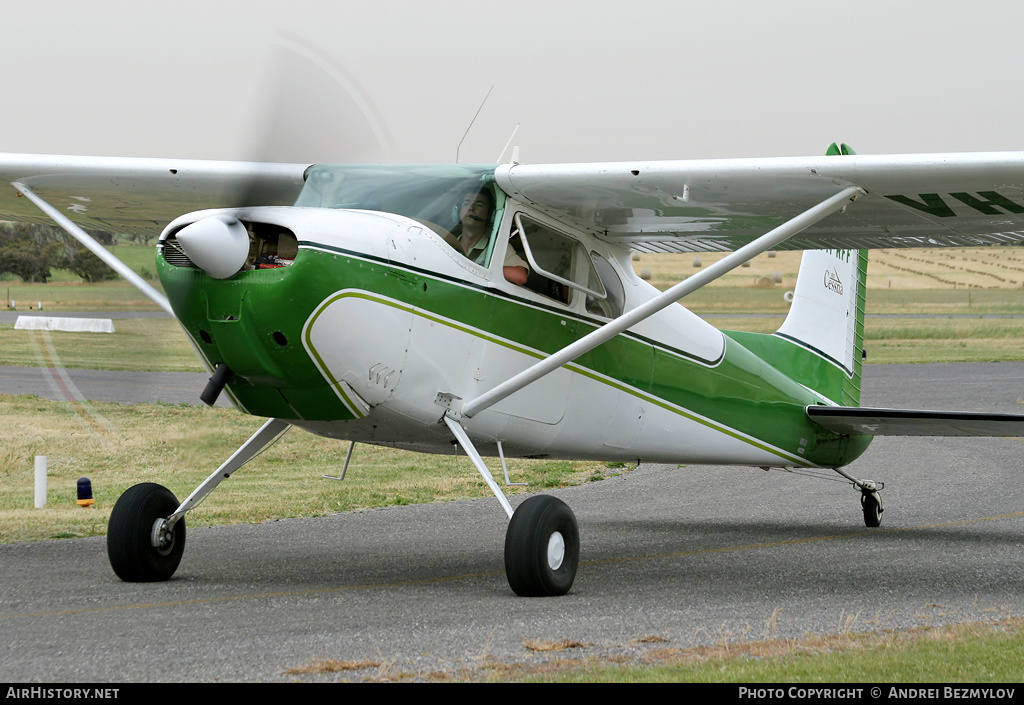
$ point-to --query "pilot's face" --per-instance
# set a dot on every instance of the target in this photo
(475, 208)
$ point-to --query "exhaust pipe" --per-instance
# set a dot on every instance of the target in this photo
(215, 386)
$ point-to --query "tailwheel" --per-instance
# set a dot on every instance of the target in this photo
(542, 548)
(871, 503)
(139, 545)
(870, 500)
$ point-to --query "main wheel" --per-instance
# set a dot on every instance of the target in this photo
(138, 551)
(542, 547)
(872, 510)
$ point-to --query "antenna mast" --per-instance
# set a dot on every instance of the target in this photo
(471, 124)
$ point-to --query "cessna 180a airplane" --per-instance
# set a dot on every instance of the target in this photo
(495, 308)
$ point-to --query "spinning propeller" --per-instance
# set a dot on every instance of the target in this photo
(311, 109)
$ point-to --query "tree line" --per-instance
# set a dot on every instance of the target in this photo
(31, 252)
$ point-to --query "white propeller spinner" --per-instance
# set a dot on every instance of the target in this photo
(219, 245)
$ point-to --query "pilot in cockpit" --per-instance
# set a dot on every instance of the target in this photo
(471, 234)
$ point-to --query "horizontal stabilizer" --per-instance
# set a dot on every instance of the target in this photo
(860, 421)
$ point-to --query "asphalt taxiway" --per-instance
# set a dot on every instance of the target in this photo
(671, 557)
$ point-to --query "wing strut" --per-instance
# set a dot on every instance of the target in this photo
(97, 249)
(267, 434)
(670, 296)
(474, 456)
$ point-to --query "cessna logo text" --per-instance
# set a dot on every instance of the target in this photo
(832, 282)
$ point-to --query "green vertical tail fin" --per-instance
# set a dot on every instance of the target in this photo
(821, 342)
(826, 322)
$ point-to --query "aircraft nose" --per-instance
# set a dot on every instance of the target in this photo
(219, 245)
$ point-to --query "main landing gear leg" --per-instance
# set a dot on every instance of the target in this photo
(870, 500)
(146, 533)
(542, 543)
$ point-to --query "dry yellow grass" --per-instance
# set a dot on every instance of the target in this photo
(666, 270)
(558, 645)
(904, 269)
(330, 665)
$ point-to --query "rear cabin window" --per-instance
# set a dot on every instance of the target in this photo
(559, 264)
(611, 306)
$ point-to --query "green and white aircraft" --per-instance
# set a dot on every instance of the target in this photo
(495, 308)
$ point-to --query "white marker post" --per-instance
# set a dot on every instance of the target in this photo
(40, 481)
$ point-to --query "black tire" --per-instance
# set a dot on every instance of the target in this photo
(533, 526)
(872, 510)
(129, 544)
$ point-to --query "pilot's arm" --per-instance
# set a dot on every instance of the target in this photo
(515, 268)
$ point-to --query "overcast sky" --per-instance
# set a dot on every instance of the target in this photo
(585, 81)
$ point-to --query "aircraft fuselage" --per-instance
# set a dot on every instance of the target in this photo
(375, 325)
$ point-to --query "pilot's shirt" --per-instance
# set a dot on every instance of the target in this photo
(478, 253)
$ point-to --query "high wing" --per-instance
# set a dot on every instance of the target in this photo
(671, 206)
(136, 195)
(963, 200)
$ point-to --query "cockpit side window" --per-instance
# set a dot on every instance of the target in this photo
(429, 194)
(400, 191)
(477, 214)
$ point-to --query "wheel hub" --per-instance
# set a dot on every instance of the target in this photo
(162, 537)
(556, 550)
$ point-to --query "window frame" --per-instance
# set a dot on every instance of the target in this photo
(619, 307)
(579, 258)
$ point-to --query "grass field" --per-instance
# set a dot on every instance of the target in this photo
(117, 445)
(941, 269)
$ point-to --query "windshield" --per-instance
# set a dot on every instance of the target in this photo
(425, 193)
